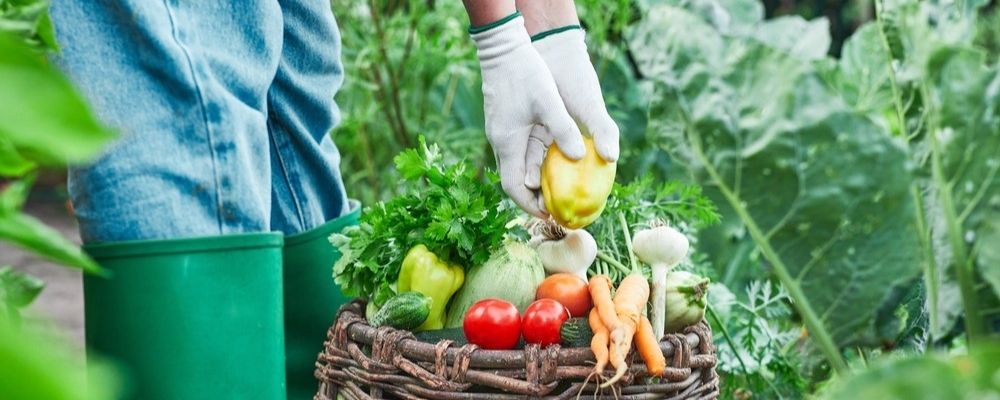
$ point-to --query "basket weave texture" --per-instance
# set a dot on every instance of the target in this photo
(362, 362)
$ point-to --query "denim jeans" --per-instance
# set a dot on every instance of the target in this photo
(223, 110)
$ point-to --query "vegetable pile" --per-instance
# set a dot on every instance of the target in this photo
(456, 215)
(450, 259)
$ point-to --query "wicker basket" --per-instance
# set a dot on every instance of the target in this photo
(362, 362)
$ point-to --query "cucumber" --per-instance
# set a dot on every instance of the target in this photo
(575, 332)
(370, 309)
(405, 311)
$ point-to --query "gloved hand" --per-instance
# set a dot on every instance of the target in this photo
(519, 95)
(565, 53)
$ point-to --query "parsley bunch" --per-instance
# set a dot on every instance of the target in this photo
(448, 208)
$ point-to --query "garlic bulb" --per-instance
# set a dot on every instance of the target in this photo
(662, 247)
(563, 250)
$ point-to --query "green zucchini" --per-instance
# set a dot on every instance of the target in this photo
(575, 332)
(456, 335)
(405, 311)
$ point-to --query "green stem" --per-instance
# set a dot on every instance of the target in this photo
(393, 92)
(799, 300)
(989, 311)
(729, 339)
(930, 266)
(611, 260)
(628, 243)
(973, 323)
(897, 98)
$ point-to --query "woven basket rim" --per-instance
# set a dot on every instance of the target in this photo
(358, 358)
(416, 349)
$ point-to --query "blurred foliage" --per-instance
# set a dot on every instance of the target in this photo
(43, 122)
(844, 16)
(925, 377)
(17, 290)
(851, 146)
(833, 228)
(988, 34)
(34, 368)
(410, 70)
(29, 20)
(859, 193)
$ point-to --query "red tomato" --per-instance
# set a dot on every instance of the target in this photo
(569, 290)
(492, 324)
(542, 321)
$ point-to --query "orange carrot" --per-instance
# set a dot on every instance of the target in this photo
(600, 293)
(617, 359)
(599, 343)
(649, 348)
(630, 299)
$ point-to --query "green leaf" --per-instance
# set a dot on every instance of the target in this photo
(38, 367)
(862, 78)
(18, 289)
(29, 233)
(43, 116)
(11, 163)
(822, 189)
(910, 379)
(965, 105)
(14, 195)
(988, 257)
(728, 16)
(808, 40)
(47, 32)
(929, 377)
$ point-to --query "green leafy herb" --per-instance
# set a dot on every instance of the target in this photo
(645, 199)
(753, 338)
(448, 208)
(640, 202)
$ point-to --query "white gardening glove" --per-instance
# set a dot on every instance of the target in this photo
(565, 53)
(518, 95)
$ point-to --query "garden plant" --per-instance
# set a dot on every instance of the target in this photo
(831, 202)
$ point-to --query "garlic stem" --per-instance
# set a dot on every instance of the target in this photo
(628, 243)
(612, 261)
(659, 299)
(662, 247)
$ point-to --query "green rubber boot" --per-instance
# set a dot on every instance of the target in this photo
(311, 300)
(196, 318)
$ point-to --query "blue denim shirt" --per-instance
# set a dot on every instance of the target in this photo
(224, 110)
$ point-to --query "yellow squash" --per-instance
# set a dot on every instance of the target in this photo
(575, 191)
